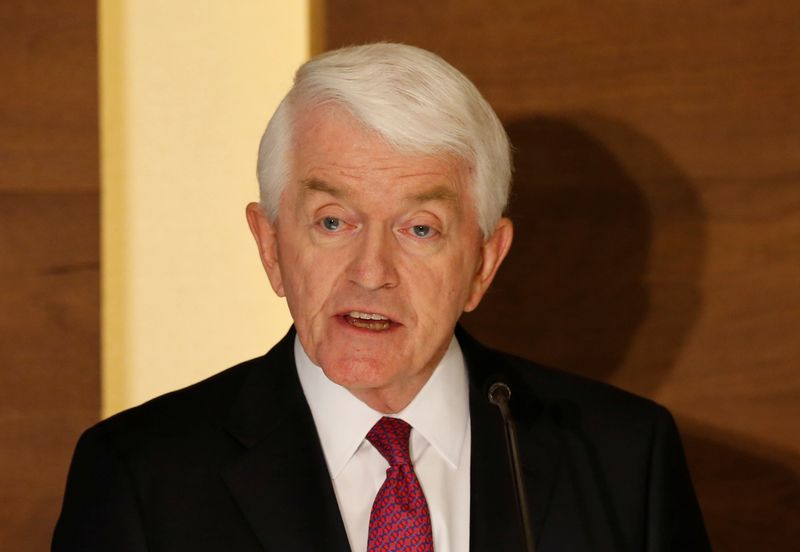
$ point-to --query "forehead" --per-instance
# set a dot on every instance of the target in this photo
(333, 147)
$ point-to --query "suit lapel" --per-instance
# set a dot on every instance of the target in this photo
(494, 517)
(282, 485)
(281, 482)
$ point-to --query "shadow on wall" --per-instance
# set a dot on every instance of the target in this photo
(582, 280)
(749, 492)
(602, 280)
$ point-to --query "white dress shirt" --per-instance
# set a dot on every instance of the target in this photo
(439, 447)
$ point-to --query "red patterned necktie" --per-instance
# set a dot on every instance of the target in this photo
(400, 519)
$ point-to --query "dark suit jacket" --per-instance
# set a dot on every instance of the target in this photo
(234, 463)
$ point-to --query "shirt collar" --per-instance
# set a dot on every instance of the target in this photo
(439, 413)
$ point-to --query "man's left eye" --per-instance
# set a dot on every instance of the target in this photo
(331, 224)
(422, 230)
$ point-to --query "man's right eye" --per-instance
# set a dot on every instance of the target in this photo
(331, 224)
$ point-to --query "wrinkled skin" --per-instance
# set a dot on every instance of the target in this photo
(363, 229)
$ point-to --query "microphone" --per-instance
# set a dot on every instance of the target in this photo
(499, 395)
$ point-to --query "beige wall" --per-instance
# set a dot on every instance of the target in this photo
(187, 87)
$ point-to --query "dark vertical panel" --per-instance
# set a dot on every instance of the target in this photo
(49, 257)
(657, 208)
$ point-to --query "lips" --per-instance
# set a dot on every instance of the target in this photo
(368, 320)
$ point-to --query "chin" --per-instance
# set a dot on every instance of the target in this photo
(357, 374)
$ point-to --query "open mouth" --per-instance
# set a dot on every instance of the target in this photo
(368, 320)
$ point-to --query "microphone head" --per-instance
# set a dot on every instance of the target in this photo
(499, 393)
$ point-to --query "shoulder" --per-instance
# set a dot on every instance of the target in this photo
(178, 416)
(554, 386)
(168, 451)
(554, 395)
(207, 398)
(593, 413)
(204, 409)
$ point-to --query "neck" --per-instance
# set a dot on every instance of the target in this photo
(391, 399)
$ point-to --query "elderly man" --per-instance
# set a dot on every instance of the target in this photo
(384, 175)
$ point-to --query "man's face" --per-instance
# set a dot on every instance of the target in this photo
(378, 253)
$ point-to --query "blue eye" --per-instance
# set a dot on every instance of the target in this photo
(331, 224)
(422, 230)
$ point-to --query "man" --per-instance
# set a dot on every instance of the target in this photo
(384, 175)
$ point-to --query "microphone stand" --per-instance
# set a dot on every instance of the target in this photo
(499, 395)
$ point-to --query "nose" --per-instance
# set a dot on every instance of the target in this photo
(374, 258)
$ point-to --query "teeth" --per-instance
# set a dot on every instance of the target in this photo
(366, 315)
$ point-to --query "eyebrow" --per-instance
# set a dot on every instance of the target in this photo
(316, 185)
(437, 193)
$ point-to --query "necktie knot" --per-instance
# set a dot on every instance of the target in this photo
(390, 437)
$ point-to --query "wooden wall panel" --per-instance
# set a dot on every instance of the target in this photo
(657, 207)
(49, 298)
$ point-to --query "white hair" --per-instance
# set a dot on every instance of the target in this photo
(414, 100)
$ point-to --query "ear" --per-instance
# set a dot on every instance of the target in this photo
(265, 234)
(493, 251)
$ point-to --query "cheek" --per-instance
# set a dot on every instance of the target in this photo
(438, 290)
(310, 282)
(462, 281)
